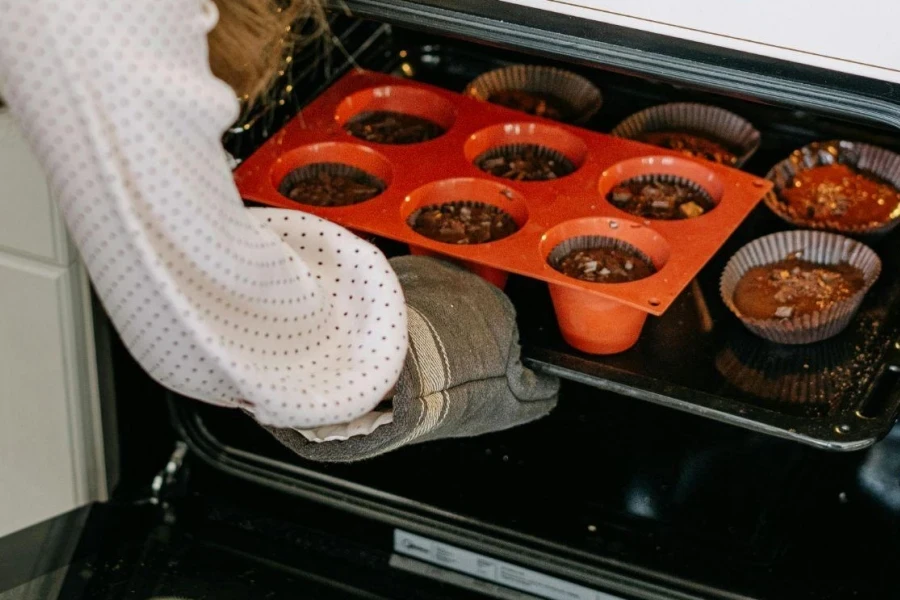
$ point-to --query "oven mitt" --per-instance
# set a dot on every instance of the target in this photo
(463, 375)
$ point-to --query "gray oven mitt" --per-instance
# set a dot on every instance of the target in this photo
(463, 375)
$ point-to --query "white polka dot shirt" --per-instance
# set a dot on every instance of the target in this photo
(285, 314)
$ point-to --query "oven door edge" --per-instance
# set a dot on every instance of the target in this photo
(433, 523)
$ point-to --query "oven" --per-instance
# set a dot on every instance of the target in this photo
(682, 468)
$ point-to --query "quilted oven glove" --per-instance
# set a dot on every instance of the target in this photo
(463, 375)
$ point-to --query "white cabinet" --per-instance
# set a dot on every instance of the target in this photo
(50, 436)
(36, 475)
(29, 224)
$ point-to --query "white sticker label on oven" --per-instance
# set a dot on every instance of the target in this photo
(493, 570)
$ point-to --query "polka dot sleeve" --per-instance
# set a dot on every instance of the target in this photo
(280, 312)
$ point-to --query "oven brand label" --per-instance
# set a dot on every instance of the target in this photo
(491, 569)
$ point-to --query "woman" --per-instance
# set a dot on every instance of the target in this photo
(288, 316)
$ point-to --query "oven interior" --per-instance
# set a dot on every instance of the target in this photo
(654, 476)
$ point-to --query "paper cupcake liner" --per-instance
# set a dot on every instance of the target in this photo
(411, 220)
(592, 242)
(312, 171)
(881, 163)
(813, 246)
(711, 122)
(790, 379)
(658, 178)
(581, 95)
(540, 151)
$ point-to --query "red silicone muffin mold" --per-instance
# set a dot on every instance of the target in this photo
(573, 205)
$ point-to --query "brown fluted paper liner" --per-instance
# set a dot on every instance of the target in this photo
(813, 246)
(711, 122)
(880, 163)
(580, 94)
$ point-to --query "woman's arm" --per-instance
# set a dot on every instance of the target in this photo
(294, 315)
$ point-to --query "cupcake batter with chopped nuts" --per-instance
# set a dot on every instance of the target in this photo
(794, 287)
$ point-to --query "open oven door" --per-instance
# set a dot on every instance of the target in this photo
(188, 550)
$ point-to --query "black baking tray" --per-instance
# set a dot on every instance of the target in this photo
(842, 394)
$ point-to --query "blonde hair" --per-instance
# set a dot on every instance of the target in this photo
(253, 38)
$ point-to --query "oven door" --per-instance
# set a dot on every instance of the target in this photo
(191, 551)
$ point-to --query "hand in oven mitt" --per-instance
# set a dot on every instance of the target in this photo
(463, 375)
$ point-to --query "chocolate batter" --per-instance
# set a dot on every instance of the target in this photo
(316, 186)
(794, 287)
(525, 162)
(606, 265)
(690, 145)
(463, 222)
(388, 127)
(840, 193)
(658, 199)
